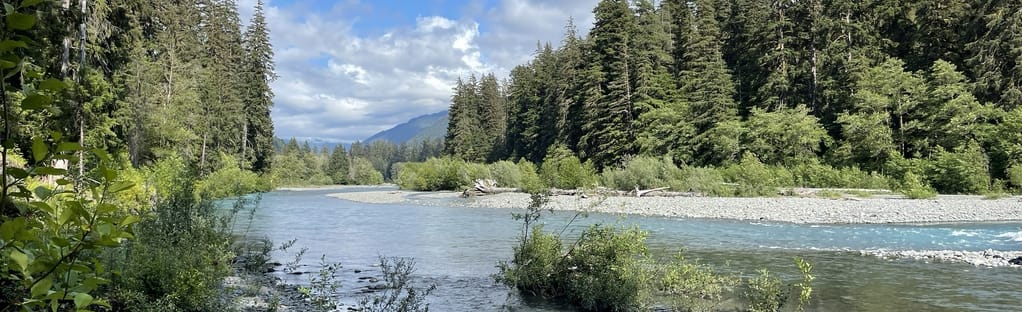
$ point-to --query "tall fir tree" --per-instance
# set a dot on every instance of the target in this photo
(259, 73)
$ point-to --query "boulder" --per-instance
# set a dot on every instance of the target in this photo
(1016, 261)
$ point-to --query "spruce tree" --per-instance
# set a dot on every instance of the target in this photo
(259, 73)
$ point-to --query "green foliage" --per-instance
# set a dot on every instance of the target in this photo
(561, 169)
(815, 174)
(642, 173)
(694, 287)
(181, 252)
(436, 174)
(765, 292)
(785, 136)
(805, 286)
(913, 187)
(230, 181)
(1015, 175)
(362, 172)
(753, 178)
(962, 171)
(609, 268)
(520, 175)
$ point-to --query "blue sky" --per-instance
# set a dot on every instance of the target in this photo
(351, 68)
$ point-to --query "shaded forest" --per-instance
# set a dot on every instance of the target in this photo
(925, 87)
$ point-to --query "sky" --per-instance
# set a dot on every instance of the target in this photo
(351, 68)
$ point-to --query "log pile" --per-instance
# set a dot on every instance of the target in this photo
(482, 187)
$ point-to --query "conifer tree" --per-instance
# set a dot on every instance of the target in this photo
(259, 73)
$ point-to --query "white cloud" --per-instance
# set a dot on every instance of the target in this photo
(338, 84)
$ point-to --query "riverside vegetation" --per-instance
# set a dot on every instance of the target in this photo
(610, 268)
(925, 93)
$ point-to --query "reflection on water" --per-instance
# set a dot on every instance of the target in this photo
(457, 248)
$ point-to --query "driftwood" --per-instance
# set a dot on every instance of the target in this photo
(487, 187)
(657, 192)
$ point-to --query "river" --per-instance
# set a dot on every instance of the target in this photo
(457, 249)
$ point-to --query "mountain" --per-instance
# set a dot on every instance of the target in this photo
(432, 126)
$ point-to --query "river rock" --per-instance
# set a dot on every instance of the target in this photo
(1016, 261)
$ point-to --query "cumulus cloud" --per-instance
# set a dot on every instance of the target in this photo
(341, 83)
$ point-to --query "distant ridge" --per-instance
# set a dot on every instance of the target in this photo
(432, 126)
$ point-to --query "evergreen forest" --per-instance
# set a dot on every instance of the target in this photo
(927, 90)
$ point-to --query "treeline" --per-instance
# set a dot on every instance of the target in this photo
(154, 107)
(154, 79)
(924, 87)
(363, 164)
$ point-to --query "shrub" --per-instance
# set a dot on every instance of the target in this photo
(707, 181)
(520, 175)
(642, 172)
(915, 188)
(437, 174)
(230, 181)
(562, 169)
(814, 174)
(361, 172)
(181, 252)
(1015, 175)
(753, 178)
(535, 266)
(961, 171)
(693, 287)
(765, 293)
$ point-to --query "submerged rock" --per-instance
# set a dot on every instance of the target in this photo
(1016, 261)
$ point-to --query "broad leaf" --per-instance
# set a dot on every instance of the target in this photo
(82, 300)
(20, 259)
(36, 102)
(42, 287)
(20, 21)
(39, 149)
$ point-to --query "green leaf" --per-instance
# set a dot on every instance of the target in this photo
(68, 147)
(82, 300)
(42, 287)
(130, 219)
(52, 84)
(20, 259)
(36, 102)
(11, 227)
(17, 173)
(20, 21)
(29, 3)
(50, 171)
(120, 186)
(39, 149)
(8, 45)
(106, 208)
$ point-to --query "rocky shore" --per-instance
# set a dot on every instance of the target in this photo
(986, 258)
(781, 209)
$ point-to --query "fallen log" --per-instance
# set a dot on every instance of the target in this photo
(482, 187)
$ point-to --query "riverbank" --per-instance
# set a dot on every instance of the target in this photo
(803, 210)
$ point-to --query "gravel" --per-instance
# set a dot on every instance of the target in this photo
(986, 258)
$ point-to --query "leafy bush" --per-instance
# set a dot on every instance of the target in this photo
(765, 292)
(753, 178)
(693, 287)
(521, 175)
(641, 172)
(913, 187)
(229, 181)
(814, 174)
(609, 268)
(181, 252)
(361, 172)
(963, 171)
(562, 169)
(707, 181)
(434, 174)
(1015, 175)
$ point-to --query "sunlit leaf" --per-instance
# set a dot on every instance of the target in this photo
(130, 219)
(35, 102)
(20, 259)
(50, 171)
(52, 84)
(17, 173)
(20, 21)
(8, 45)
(83, 300)
(11, 227)
(120, 186)
(39, 149)
(68, 147)
(42, 287)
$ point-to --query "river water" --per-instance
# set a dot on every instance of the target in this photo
(457, 249)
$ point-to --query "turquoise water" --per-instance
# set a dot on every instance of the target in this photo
(457, 248)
